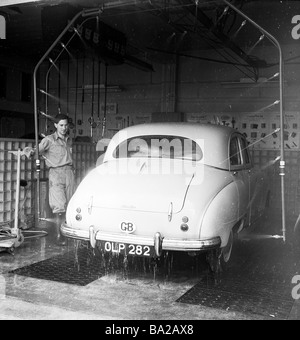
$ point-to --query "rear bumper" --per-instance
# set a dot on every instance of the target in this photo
(157, 240)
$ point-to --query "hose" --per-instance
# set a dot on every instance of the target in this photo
(40, 233)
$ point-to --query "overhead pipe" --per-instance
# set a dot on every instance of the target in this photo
(64, 46)
(282, 151)
(83, 13)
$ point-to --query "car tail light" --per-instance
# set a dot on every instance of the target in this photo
(184, 227)
(78, 217)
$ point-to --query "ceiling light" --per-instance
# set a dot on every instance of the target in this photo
(91, 12)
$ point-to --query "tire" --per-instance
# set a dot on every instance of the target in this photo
(218, 259)
(226, 252)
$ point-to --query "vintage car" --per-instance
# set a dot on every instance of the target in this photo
(169, 187)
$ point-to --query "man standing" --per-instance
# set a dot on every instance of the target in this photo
(56, 149)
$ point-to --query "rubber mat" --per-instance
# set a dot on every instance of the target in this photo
(258, 283)
(78, 267)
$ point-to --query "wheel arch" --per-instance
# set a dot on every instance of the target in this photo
(221, 215)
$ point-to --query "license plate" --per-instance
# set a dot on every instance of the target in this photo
(127, 249)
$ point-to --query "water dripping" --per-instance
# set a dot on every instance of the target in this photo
(155, 268)
(144, 266)
(125, 267)
(77, 245)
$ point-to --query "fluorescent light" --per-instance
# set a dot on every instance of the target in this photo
(91, 12)
(110, 88)
(16, 2)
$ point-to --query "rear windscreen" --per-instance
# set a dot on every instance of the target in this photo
(172, 147)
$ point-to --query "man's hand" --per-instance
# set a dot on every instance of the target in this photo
(28, 152)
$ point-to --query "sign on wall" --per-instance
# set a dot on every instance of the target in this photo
(262, 131)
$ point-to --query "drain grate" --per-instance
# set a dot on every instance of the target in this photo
(258, 283)
(269, 301)
(78, 267)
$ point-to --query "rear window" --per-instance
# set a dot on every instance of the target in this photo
(172, 147)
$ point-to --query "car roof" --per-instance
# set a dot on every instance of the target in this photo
(213, 139)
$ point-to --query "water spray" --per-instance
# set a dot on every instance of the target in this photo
(45, 219)
(259, 237)
(269, 106)
(240, 28)
(47, 116)
(258, 41)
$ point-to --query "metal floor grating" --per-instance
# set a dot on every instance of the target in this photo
(260, 300)
(78, 267)
(258, 282)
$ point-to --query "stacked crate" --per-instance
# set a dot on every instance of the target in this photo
(84, 155)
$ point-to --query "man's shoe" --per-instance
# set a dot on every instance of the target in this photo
(60, 239)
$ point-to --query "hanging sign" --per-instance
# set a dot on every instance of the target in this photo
(109, 43)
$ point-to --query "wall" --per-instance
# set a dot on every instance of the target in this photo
(202, 88)
(16, 111)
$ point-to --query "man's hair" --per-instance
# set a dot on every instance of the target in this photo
(60, 117)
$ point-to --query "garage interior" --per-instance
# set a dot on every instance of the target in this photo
(196, 61)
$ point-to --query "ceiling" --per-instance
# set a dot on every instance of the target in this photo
(155, 30)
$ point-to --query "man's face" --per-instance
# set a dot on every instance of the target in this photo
(62, 127)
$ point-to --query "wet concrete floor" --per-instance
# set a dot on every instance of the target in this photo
(42, 281)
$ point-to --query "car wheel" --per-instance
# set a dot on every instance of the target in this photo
(218, 259)
(227, 250)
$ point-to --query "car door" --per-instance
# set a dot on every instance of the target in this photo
(258, 191)
(240, 166)
(250, 176)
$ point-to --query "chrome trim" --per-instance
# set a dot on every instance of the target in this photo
(158, 242)
(167, 244)
(92, 237)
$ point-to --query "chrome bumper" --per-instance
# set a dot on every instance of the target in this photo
(157, 240)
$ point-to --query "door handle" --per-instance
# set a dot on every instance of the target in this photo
(170, 212)
(90, 205)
